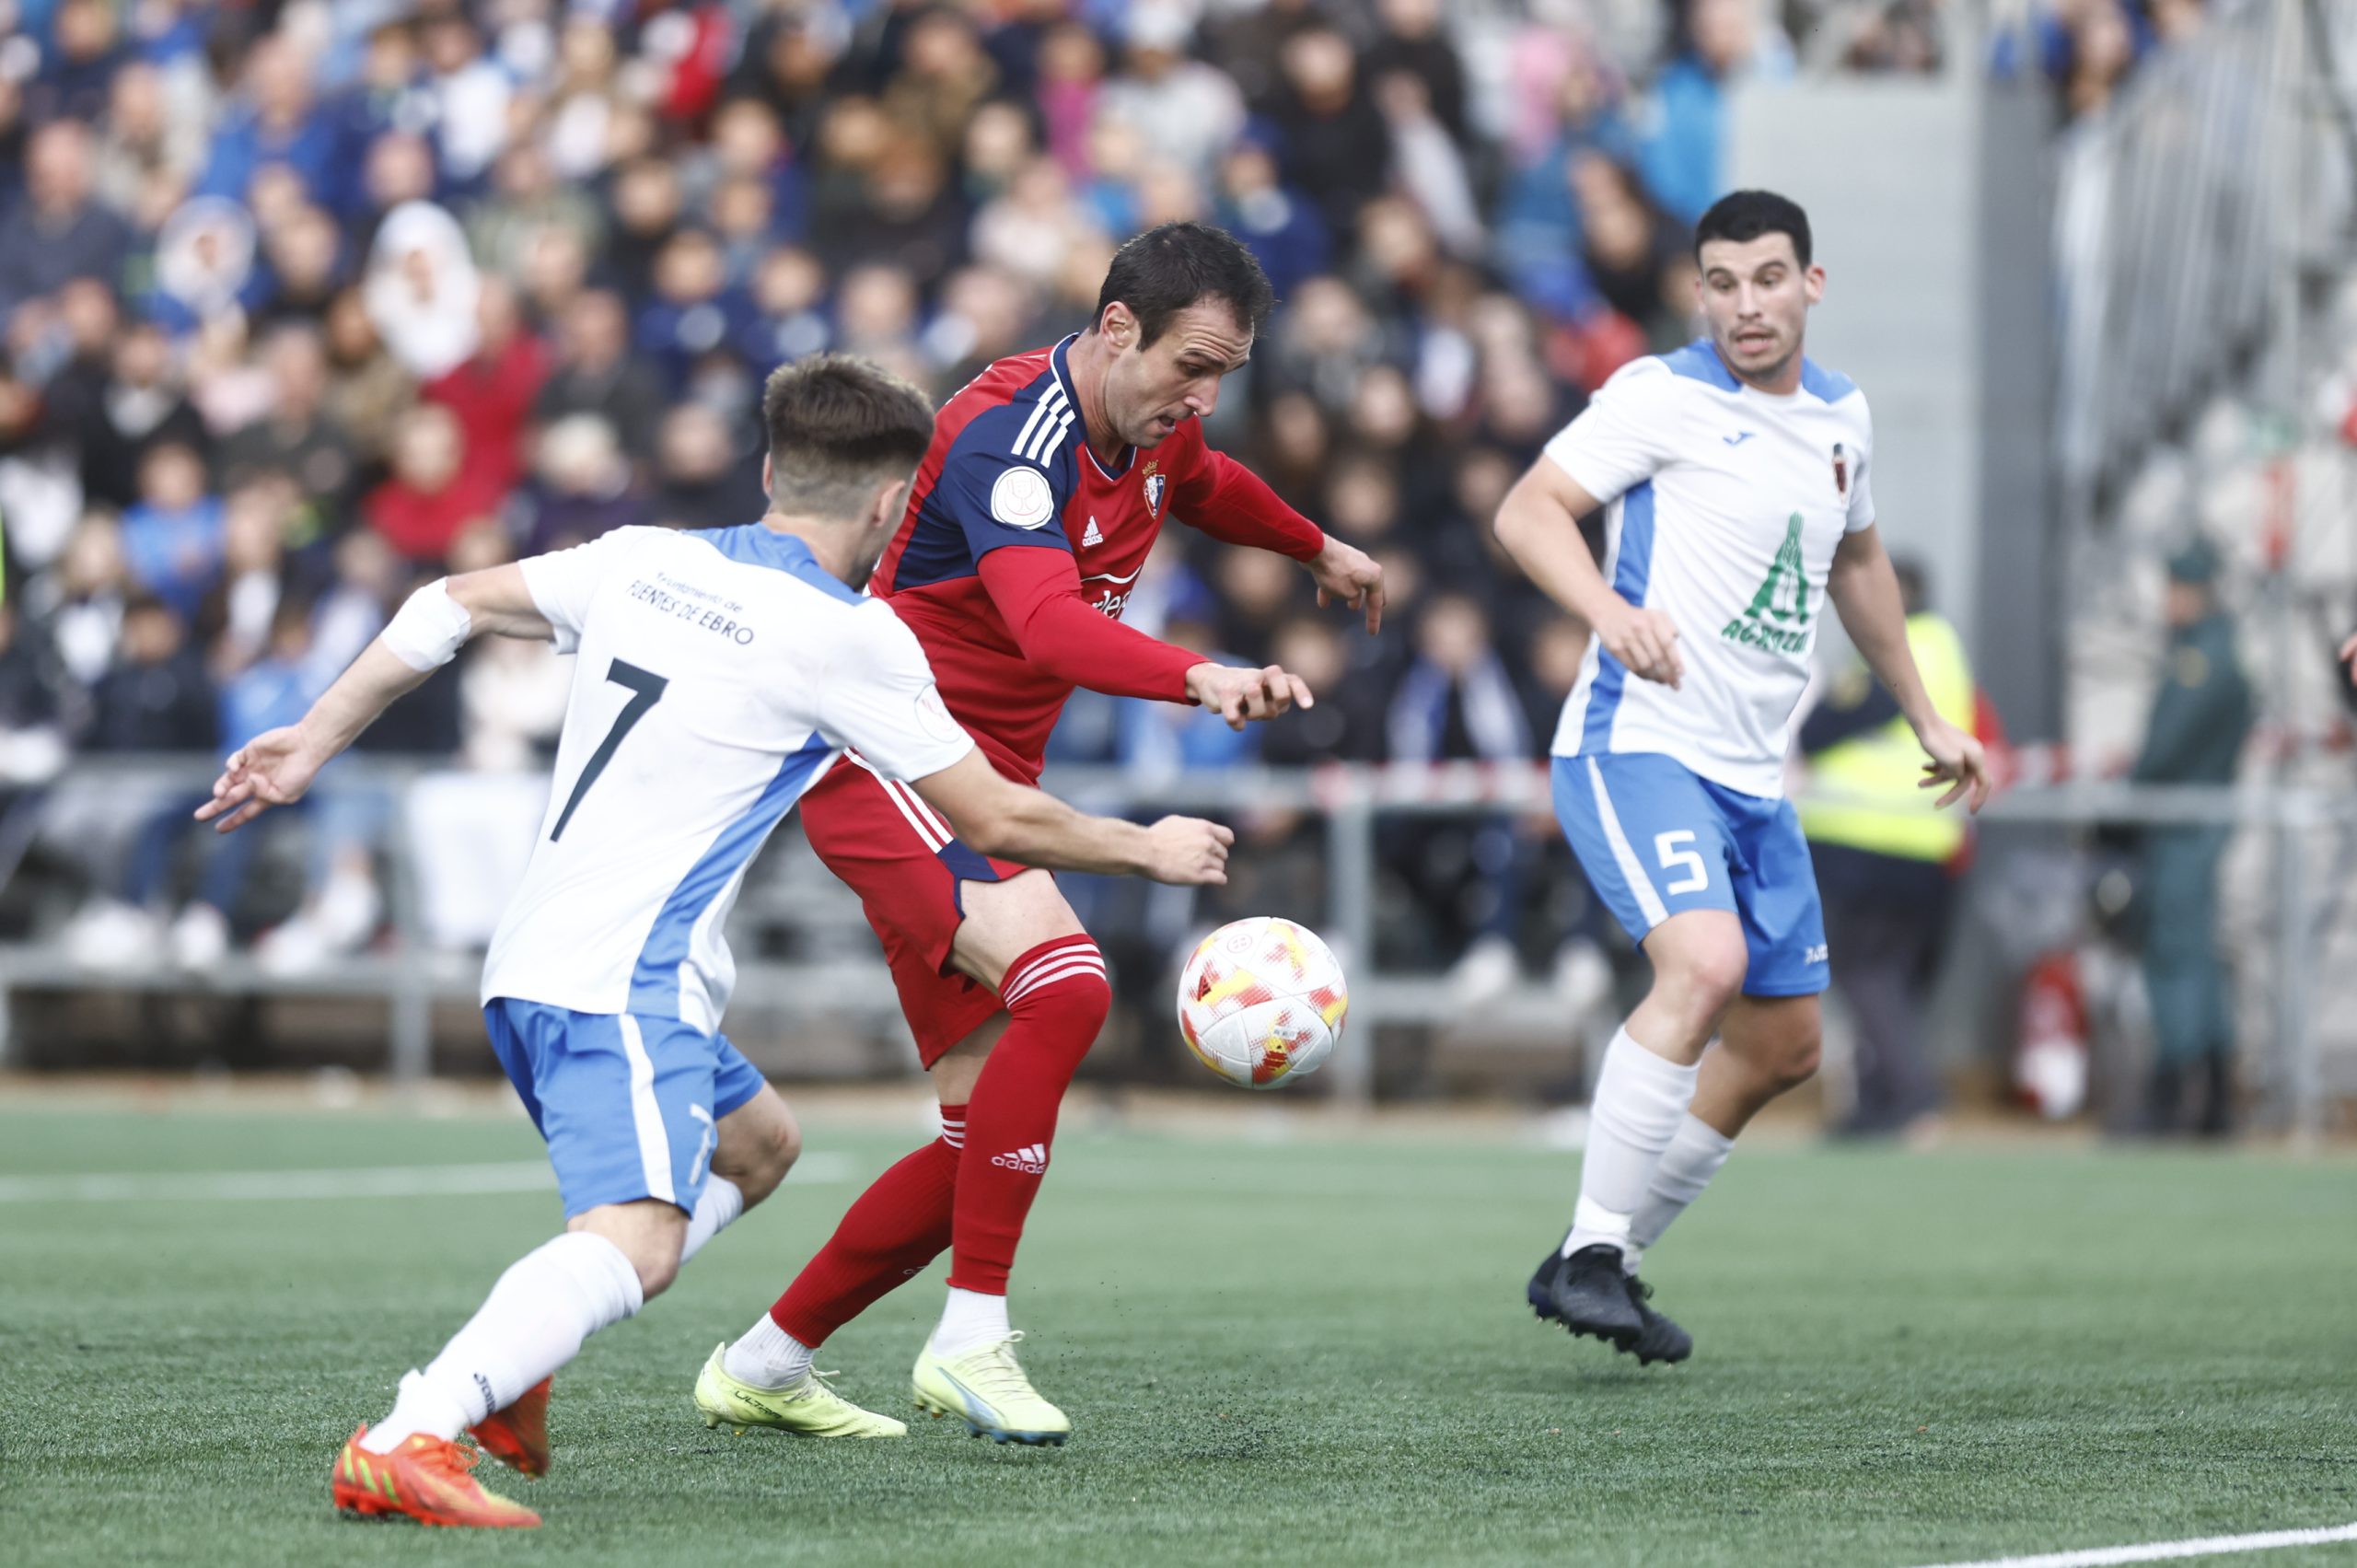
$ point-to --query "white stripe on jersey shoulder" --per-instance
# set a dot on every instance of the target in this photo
(1049, 440)
(1044, 409)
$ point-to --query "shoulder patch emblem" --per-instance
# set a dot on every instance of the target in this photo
(1021, 499)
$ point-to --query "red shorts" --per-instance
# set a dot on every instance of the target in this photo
(900, 856)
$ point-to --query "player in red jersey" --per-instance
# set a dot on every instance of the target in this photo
(1049, 478)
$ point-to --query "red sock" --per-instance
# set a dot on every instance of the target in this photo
(1056, 997)
(899, 1224)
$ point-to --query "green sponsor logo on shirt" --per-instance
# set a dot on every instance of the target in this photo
(1777, 617)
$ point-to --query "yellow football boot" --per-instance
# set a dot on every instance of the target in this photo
(986, 1385)
(807, 1409)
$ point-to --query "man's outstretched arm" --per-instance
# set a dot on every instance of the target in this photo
(1230, 503)
(275, 767)
(1865, 590)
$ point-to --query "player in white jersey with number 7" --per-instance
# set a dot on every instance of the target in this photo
(720, 672)
(1736, 475)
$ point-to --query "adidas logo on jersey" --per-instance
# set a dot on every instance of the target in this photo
(1031, 1159)
(1091, 538)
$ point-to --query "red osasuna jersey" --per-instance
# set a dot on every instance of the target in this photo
(1010, 468)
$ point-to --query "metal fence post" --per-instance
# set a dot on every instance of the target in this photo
(2299, 1070)
(1350, 858)
(411, 1022)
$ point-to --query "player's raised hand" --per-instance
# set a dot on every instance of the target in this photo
(1646, 641)
(1346, 574)
(273, 769)
(1240, 695)
(1188, 852)
(1957, 761)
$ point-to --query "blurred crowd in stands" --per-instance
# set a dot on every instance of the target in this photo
(300, 302)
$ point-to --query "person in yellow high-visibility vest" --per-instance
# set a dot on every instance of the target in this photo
(1883, 854)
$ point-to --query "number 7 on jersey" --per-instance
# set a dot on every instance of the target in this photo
(646, 688)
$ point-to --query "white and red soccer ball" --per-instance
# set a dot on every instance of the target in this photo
(1261, 1002)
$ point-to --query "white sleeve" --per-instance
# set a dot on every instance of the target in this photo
(1861, 495)
(563, 582)
(1623, 438)
(880, 699)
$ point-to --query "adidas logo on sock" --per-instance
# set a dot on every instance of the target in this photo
(1031, 1159)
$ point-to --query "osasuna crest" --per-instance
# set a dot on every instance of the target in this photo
(1841, 471)
(1154, 483)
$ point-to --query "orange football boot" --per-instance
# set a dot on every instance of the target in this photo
(518, 1435)
(425, 1478)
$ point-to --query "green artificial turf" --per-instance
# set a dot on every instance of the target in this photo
(1287, 1352)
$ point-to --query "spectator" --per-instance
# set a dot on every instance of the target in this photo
(147, 156)
(237, 619)
(1281, 226)
(1884, 854)
(296, 437)
(302, 269)
(155, 696)
(87, 50)
(690, 315)
(1682, 157)
(419, 509)
(278, 124)
(583, 486)
(944, 75)
(59, 230)
(1187, 111)
(595, 374)
(171, 539)
(368, 393)
(1456, 702)
(2200, 721)
(470, 94)
(702, 481)
(1330, 127)
(493, 392)
(422, 290)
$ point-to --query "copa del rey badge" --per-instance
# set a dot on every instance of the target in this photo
(1841, 471)
(1154, 483)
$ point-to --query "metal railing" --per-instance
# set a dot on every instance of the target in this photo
(409, 977)
(2175, 227)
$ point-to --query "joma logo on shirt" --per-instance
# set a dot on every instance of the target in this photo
(1777, 617)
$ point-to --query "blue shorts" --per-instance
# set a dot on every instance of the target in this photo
(630, 1106)
(1657, 840)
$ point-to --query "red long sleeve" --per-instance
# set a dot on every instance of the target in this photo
(1229, 502)
(1037, 592)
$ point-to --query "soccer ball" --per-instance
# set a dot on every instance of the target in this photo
(1261, 1001)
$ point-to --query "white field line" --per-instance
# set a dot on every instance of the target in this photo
(2162, 1550)
(366, 1182)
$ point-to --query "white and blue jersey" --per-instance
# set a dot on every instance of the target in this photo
(719, 673)
(1726, 505)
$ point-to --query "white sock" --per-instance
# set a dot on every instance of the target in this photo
(721, 1202)
(533, 1322)
(972, 1318)
(768, 1357)
(1694, 1155)
(1638, 1099)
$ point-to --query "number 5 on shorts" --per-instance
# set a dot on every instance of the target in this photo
(1674, 858)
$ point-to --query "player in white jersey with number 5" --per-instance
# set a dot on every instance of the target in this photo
(720, 672)
(1737, 474)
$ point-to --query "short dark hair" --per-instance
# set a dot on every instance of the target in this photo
(839, 424)
(1742, 215)
(1160, 273)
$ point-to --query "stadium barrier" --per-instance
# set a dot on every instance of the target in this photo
(409, 973)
